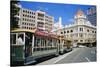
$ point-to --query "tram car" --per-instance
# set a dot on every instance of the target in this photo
(65, 45)
(68, 46)
(29, 45)
(32, 45)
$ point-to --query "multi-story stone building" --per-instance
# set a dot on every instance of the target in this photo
(81, 32)
(30, 19)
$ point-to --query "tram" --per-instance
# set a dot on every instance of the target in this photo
(29, 45)
(33, 44)
(64, 44)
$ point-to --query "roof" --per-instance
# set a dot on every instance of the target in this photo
(41, 33)
(80, 12)
(23, 30)
(36, 32)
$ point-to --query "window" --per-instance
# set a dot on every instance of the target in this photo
(92, 31)
(25, 23)
(13, 38)
(61, 32)
(41, 15)
(50, 44)
(37, 44)
(23, 15)
(67, 31)
(22, 36)
(64, 31)
(81, 29)
(87, 30)
(95, 31)
(23, 19)
(23, 10)
(81, 35)
(30, 12)
(71, 31)
(27, 11)
(81, 40)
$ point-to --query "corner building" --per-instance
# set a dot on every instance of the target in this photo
(82, 32)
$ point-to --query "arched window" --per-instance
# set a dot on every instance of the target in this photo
(71, 31)
(67, 31)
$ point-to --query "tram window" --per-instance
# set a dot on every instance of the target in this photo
(34, 49)
(52, 47)
(13, 39)
(42, 44)
(55, 43)
(22, 36)
(34, 44)
(45, 45)
(37, 44)
(38, 49)
(49, 44)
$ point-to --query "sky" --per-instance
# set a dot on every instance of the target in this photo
(66, 11)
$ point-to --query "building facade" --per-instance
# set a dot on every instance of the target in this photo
(30, 19)
(81, 32)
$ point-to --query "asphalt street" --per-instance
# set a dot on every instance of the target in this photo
(83, 54)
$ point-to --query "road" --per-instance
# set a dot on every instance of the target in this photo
(84, 54)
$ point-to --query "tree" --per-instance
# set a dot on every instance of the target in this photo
(13, 12)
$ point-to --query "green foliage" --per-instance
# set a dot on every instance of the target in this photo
(14, 11)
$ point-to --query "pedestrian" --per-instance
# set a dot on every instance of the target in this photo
(20, 41)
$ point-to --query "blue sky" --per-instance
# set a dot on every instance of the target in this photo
(66, 11)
